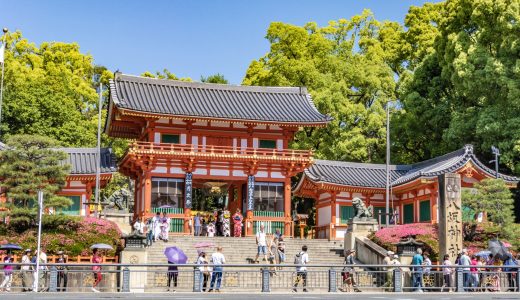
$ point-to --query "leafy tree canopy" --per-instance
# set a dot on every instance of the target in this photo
(216, 78)
(348, 67)
(30, 163)
(463, 83)
(165, 74)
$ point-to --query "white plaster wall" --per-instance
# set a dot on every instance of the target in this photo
(338, 219)
(262, 126)
(469, 179)
(239, 125)
(160, 170)
(179, 122)
(359, 195)
(323, 215)
(255, 143)
(275, 127)
(261, 174)
(201, 123)
(377, 197)
(218, 172)
(176, 170)
(340, 233)
(77, 184)
(204, 142)
(234, 143)
(220, 124)
(420, 193)
(183, 138)
(162, 121)
(239, 173)
(344, 194)
(195, 141)
(157, 137)
(324, 195)
(279, 144)
(243, 143)
(83, 211)
(200, 171)
(277, 175)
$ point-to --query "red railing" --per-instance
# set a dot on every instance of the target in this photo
(219, 152)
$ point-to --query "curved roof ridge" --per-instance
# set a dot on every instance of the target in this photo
(359, 164)
(217, 86)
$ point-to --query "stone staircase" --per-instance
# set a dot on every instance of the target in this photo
(242, 251)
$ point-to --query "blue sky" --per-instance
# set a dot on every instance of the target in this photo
(190, 38)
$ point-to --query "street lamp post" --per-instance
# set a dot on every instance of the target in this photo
(496, 152)
(387, 204)
(40, 213)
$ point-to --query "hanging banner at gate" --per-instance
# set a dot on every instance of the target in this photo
(250, 192)
(188, 190)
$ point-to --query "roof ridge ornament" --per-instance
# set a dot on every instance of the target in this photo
(468, 149)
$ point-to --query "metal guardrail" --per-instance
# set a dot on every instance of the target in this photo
(264, 278)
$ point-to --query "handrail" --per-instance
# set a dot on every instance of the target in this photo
(218, 150)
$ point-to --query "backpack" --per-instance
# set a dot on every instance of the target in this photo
(298, 259)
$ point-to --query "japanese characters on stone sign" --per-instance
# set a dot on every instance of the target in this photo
(450, 215)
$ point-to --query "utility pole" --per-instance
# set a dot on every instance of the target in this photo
(98, 151)
(387, 207)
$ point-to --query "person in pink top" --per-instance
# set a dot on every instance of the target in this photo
(96, 259)
(8, 273)
(474, 282)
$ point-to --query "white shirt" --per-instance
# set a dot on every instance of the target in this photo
(26, 261)
(218, 258)
(43, 260)
(305, 260)
(260, 238)
(447, 271)
(139, 227)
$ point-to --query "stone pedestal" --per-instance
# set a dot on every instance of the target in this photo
(359, 228)
(137, 279)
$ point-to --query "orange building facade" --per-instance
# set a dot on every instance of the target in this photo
(191, 135)
(414, 189)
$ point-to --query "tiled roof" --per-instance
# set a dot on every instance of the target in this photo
(353, 174)
(215, 101)
(374, 175)
(83, 160)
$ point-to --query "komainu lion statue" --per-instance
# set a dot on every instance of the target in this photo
(360, 209)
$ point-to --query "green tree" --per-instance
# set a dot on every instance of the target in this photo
(493, 197)
(349, 68)
(165, 74)
(216, 78)
(49, 91)
(30, 163)
(463, 84)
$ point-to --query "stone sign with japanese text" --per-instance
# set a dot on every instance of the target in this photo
(450, 215)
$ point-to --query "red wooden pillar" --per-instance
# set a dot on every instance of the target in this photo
(434, 203)
(147, 193)
(287, 207)
(332, 234)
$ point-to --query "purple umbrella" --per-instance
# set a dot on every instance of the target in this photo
(175, 255)
(10, 247)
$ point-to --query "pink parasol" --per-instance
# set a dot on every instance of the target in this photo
(506, 244)
(204, 245)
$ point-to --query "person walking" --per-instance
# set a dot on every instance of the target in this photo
(389, 270)
(237, 223)
(96, 259)
(348, 271)
(447, 273)
(217, 259)
(465, 261)
(165, 227)
(205, 271)
(8, 273)
(427, 269)
(42, 276)
(261, 242)
(62, 272)
(273, 254)
(26, 270)
(197, 224)
(474, 280)
(301, 260)
(139, 226)
(511, 268)
(173, 273)
(417, 270)
(281, 250)
(149, 232)
(157, 221)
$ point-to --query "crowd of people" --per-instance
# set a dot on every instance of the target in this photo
(156, 228)
(38, 281)
(480, 272)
